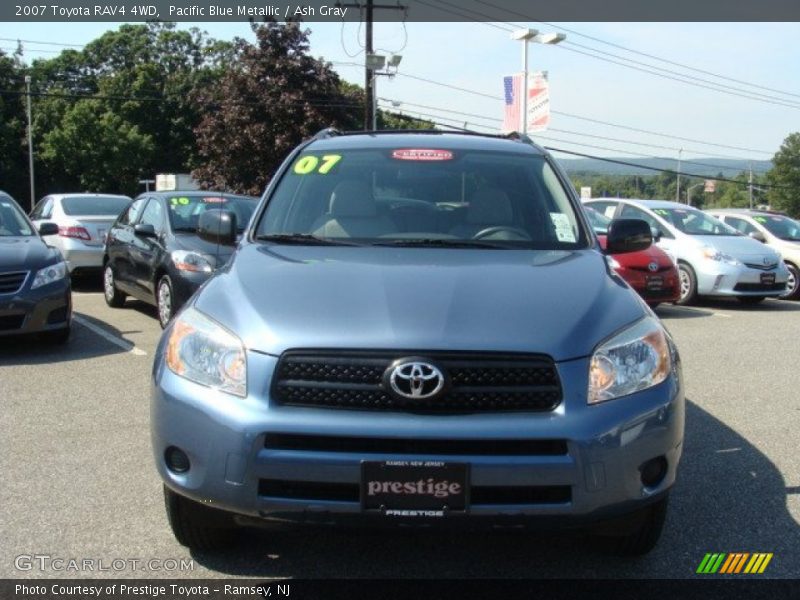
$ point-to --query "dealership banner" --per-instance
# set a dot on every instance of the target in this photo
(538, 102)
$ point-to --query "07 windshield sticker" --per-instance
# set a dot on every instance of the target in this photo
(564, 231)
(760, 219)
(309, 164)
(661, 211)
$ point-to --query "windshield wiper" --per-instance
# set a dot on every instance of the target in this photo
(440, 243)
(305, 239)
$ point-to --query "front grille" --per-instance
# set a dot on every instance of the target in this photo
(761, 266)
(760, 287)
(11, 322)
(477, 382)
(350, 492)
(379, 445)
(645, 269)
(11, 283)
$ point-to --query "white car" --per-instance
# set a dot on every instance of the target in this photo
(776, 231)
(713, 258)
(83, 220)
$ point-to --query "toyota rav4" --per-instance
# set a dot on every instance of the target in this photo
(418, 328)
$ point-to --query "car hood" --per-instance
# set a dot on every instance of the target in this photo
(24, 253)
(554, 302)
(741, 247)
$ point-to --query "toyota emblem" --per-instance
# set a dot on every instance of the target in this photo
(766, 260)
(415, 379)
(653, 267)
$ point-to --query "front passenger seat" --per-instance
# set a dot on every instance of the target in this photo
(352, 213)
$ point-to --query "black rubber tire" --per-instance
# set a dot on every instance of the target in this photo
(642, 540)
(58, 337)
(684, 270)
(166, 317)
(793, 294)
(114, 298)
(197, 526)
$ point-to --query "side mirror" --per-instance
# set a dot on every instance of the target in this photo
(656, 233)
(628, 235)
(144, 230)
(757, 235)
(48, 228)
(218, 227)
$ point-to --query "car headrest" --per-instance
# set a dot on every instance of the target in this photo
(489, 206)
(352, 198)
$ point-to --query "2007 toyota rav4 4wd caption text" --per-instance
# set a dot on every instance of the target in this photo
(418, 328)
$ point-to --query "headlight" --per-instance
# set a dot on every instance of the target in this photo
(49, 274)
(714, 254)
(186, 260)
(203, 351)
(631, 361)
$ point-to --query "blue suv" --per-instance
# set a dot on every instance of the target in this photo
(418, 328)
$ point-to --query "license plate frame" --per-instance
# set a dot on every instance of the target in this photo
(655, 283)
(386, 487)
(767, 278)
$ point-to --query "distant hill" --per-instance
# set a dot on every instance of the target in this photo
(728, 167)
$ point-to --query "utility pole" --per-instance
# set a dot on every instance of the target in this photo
(369, 72)
(750, 184)
(678, 188)
(30, 138)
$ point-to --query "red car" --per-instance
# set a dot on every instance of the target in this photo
(651, 272)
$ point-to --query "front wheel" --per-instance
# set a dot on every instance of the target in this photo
(688, 283)
(644, 537)
(792, 284)
(164, 301)
(197, 526)
(114, 298)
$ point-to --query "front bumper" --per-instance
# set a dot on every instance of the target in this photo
(667, 290)
(48, 308)
(721, 279)
(232, 467)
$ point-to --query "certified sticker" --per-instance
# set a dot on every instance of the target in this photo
(422, 154)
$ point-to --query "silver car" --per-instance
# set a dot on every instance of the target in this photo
(83, 220)
(713, 258)
(776, 231)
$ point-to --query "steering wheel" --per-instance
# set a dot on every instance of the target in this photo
(489, 231)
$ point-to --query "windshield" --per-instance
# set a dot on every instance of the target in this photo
(81, 206)
(781, 227)
(422, 197)
(185, 209)
(12, 220)
(694, 222)
(598, 222)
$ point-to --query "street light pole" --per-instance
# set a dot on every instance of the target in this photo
(678, 189)
(525, 36)
(30, 138)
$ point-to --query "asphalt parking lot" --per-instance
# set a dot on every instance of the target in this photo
(78, 480)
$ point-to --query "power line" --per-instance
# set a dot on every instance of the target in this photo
(640, 53)
(2, 39)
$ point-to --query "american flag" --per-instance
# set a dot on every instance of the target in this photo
(512, 86)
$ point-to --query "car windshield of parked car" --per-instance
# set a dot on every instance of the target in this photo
(781, 227)
(82, 206)
(185, 209)
(694, 222)
(12, 222)
(412, 196)
(598, 221)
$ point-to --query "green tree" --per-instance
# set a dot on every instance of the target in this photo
(99, 150)
(13, 147)
(272, 96)
(785, 176)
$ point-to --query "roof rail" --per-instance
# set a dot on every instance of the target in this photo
(326, 133)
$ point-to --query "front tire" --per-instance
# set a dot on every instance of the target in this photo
(165, 301)
(114, 298)
(644, 537)
(792, 283)
(688, 284)
(197, 526)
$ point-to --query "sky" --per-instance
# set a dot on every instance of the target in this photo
(476, 56)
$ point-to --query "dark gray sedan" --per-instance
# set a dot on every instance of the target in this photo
(35, 294)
